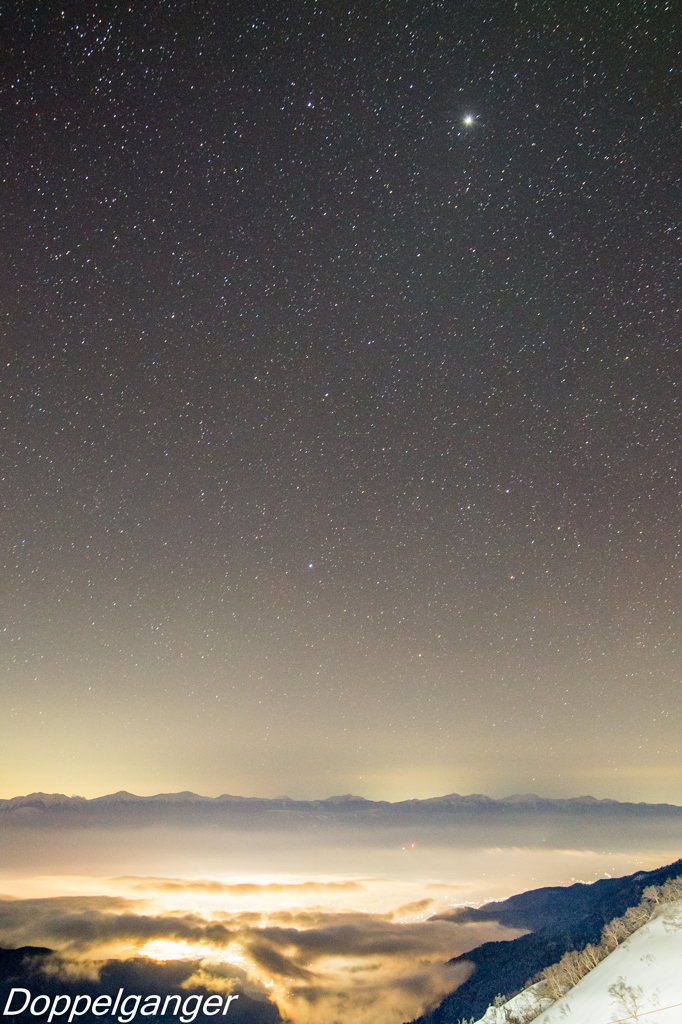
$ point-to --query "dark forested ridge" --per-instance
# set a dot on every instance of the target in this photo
(560, 919)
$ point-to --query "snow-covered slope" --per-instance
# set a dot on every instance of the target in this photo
(522, 1007)
(640, 981)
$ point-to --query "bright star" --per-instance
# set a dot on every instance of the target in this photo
(468, 119)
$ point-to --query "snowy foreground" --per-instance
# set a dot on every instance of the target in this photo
(640, 981)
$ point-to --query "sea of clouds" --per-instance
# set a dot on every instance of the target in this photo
(321, 951)
(327, 923)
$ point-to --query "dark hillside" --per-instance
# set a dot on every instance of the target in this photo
(29, 968)
(560, 919)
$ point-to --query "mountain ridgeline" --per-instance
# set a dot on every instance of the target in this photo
(124, 803)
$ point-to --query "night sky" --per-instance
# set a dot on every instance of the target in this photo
(339, 407)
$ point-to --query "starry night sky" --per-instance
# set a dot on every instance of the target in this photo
(339, 406)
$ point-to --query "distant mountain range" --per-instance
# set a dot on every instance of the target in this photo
(524, 802)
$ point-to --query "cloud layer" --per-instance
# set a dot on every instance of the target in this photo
(320, 963)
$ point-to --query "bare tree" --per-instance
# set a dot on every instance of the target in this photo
(630, 998)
